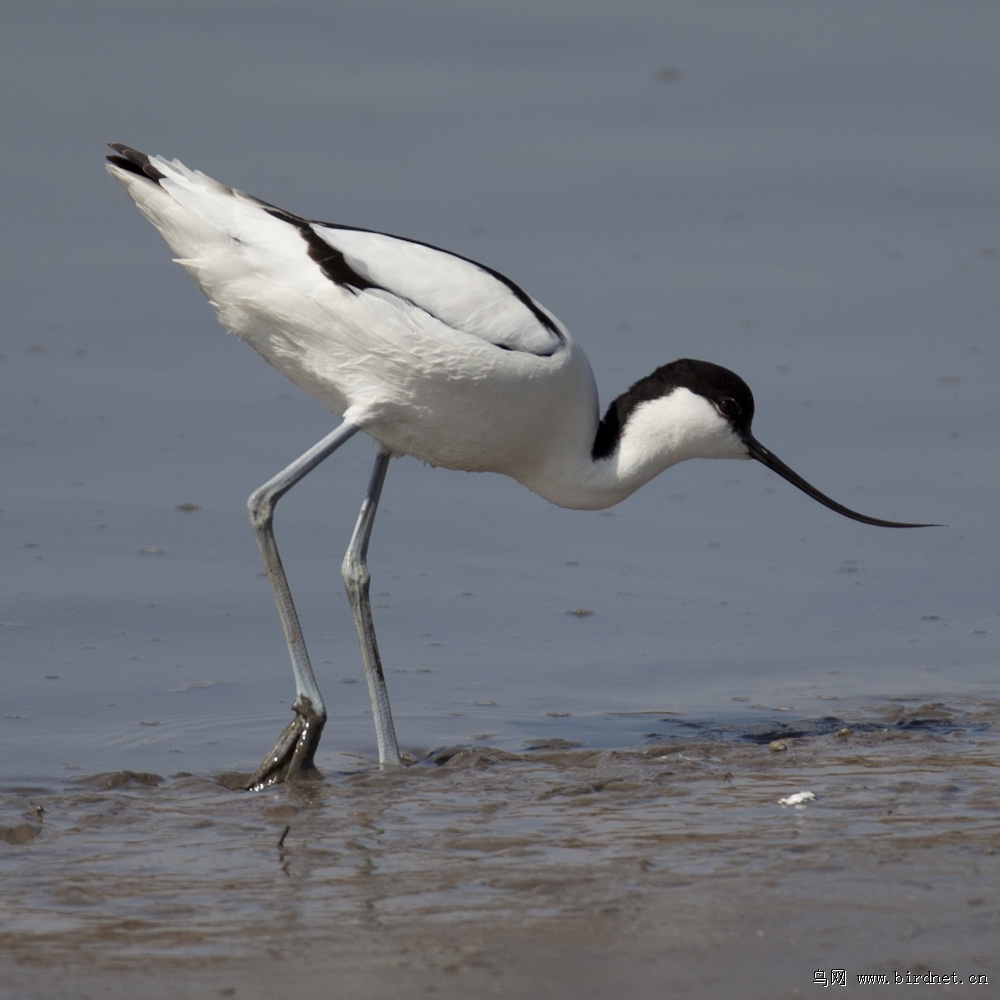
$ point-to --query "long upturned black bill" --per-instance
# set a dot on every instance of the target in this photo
(759, 452)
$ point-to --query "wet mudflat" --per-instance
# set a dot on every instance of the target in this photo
(666, 870)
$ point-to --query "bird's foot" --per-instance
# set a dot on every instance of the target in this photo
(291, 757)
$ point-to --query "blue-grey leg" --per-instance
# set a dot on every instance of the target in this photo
(292, 755)
(357, 580)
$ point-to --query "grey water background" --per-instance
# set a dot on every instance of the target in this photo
(806, 193)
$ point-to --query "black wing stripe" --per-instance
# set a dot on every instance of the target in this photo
(519, 293)
(334, 265)
(331, 260)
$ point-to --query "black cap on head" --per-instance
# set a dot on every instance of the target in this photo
(732, 397)
(725, 389)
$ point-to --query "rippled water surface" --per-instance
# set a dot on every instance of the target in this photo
(482, 872)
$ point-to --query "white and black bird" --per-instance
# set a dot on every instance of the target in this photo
(431, 355)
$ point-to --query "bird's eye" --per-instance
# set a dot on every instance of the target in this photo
(728, 407)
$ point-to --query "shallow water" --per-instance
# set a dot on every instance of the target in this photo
(603, 866)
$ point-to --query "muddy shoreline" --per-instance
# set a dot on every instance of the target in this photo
(666, 871)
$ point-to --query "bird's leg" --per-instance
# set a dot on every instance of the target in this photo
(292, 755)
(357, 580)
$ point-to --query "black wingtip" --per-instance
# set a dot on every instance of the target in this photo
(133, 161)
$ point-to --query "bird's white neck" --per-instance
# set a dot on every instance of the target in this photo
(657, 433)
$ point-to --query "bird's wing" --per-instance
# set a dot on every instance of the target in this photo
(466, 296)
(214, 228)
